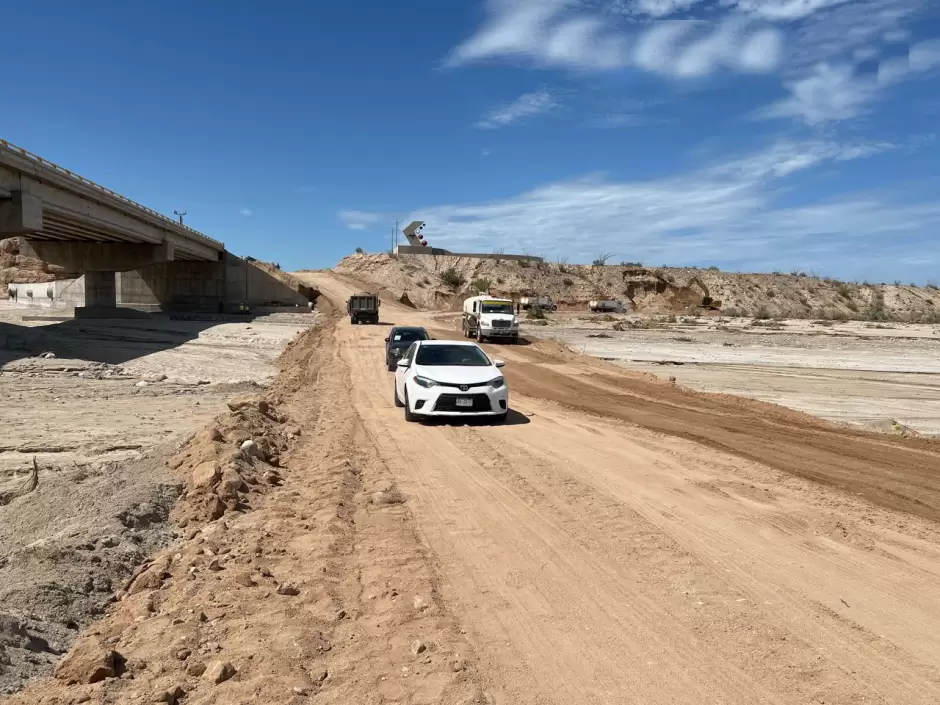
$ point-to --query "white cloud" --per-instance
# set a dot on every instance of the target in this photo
(359, 220)
(486, 151)
(663, 8)
(244, 211)
(783, 9)
(526, 105)
(925, 56)
(828, 93)
(565, 34)
(723, 212)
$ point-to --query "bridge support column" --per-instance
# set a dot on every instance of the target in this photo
(100, 290)
(101, 298)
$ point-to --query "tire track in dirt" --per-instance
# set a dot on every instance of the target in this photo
(598, 558)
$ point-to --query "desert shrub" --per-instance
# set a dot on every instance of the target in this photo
(771, 293)
(631, 264)
(844, 290)
(932, 285)
(762, 314)
(713, 268)
(601, 259)
(481, 285)
(567, 282)
(452, 278)
(524, 263)
(851, 305)
(360, 251)
(536, 313)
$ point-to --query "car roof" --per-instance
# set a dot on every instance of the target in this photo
(410, 328)
(468, 343)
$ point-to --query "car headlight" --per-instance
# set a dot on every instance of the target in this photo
(498, 382)
(425, 382)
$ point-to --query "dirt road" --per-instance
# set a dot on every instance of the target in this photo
(627, 541)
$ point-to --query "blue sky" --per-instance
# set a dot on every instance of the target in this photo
(751, 134)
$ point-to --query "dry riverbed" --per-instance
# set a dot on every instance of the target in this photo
(876, 375)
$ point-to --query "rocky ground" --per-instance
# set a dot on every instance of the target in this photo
(97, 408)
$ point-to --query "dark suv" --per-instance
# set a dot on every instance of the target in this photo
(398, 341)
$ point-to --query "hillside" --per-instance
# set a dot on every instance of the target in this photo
(427, 283)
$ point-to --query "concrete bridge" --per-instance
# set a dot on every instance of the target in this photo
(126, 255)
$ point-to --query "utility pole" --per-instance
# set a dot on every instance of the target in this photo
(180, 215)
(395, 241)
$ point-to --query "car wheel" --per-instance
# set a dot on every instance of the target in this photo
(398, 401)
(391, 366)
(408, 415)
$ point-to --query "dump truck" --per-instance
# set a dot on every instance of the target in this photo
(363, 308)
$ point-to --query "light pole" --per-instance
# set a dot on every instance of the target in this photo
(180, 215)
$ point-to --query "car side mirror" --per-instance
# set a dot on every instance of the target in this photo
(498, 363)
(386, 340)
(403, 363)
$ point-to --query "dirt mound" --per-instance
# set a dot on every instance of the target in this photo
(442, 282)
(19, 269)
(221, 470)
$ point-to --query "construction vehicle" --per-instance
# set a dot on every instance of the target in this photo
(606, 306)
(363, 308)
(543, 302)
(490, 317)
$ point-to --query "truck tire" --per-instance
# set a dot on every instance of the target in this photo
(479, 334)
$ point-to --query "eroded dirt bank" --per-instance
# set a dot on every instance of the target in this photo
(299, 578)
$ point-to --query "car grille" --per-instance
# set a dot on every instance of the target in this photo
(463, 387)
(502, 324)
(448, 402)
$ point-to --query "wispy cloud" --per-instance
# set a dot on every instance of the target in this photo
(525, 106)
(724, 211)
(829, 93)
(566, 34)
(485, 152)
(359, 220)
(244, 211)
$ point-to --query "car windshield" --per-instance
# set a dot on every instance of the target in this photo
(409, 335)
(451, 356)
(496, 307)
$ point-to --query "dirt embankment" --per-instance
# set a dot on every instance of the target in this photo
(442, 282)
(20, 269)
(298, 573)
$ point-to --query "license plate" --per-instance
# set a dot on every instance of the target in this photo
(464, 401)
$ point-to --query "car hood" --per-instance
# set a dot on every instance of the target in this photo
(458, 375)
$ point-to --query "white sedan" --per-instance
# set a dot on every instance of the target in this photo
(450, 378)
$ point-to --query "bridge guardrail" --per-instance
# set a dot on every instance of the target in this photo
(98, 187)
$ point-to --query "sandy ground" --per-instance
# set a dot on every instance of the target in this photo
(884, 376)
(99, 406)
(621, 539)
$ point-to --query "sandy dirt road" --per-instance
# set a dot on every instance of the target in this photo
(624, 541)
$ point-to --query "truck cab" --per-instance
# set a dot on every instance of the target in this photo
(490, 317)
(363, 308)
